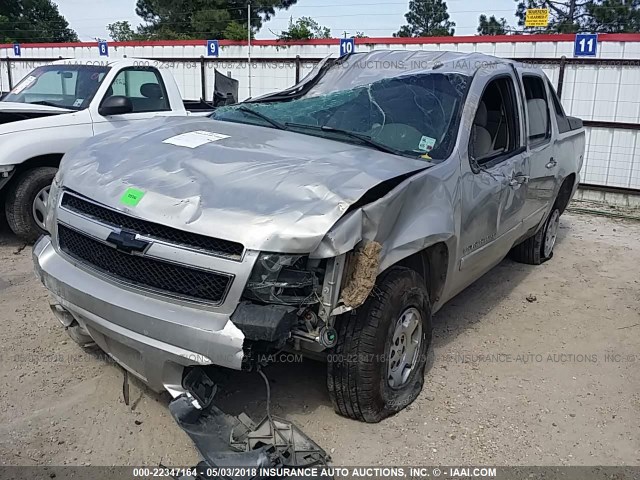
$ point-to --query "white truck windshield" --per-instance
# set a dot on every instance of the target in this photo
(65, 86)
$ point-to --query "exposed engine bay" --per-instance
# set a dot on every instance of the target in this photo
(293, 300)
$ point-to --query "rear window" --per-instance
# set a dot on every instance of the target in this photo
(561, 118)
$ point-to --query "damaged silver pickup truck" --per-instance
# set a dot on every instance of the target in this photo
(333, 218)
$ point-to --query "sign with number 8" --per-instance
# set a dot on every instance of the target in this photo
(103, 48)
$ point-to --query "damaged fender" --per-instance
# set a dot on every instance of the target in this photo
(399, 223)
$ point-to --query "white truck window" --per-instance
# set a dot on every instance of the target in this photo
(144, 87)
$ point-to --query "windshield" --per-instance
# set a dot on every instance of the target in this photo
(415, 115)
(66, 86)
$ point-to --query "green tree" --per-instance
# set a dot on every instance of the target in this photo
(305, 28)
(492, 26)
(236, 31)
(203, 18)
(426, 18)
(613, 16)
(122, 32)
(569, 16)
(32, 21)
(564, 16)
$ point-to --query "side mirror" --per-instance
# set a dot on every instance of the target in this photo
(115, 105)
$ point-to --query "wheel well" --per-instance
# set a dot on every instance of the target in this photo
(564, 194)
(431, 263)
(50, 160)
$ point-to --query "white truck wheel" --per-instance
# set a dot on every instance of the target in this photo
(26, 202)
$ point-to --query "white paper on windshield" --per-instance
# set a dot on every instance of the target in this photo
(195, 139)
(27, 82)
(426, 143)
(78, 102)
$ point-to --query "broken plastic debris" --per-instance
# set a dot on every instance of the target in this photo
(226, 440)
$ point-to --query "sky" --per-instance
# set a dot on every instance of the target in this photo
(376, 18)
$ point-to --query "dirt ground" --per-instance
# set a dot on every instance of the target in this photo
(533, 366)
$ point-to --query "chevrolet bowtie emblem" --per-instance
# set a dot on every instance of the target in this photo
(126, 242)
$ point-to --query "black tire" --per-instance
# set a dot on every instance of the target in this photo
(357, 375)
(532, 250)
(19, 201)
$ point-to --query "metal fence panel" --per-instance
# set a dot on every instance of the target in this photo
(597, 92)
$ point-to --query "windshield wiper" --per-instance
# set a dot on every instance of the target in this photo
(46, 104)
(363, 138)
(275, 123)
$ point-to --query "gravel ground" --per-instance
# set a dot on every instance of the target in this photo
(533, 366)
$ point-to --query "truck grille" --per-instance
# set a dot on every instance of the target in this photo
(216, 246)
(144, 271)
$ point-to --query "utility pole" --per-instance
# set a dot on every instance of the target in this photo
(249, 42)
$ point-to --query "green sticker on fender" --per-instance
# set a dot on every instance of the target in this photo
(132, 197)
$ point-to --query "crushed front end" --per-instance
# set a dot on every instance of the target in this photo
(158, 299)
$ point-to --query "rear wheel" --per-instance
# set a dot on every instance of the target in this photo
(27, 201)
(377, 367)
(539, 248)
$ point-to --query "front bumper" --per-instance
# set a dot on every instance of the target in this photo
(152, 338)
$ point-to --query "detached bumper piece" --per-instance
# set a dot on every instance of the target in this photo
(236, 445)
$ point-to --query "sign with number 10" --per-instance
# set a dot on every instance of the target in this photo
(347, 46)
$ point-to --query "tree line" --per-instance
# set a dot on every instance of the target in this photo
(29, 21)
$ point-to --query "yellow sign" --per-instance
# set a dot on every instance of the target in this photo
(537, 17)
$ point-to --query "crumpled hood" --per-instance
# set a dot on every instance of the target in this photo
(269, 189)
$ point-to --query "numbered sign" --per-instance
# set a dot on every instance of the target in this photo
(586, 45)
(347, 46)
(103, 48)
(213, 49)
(16, 49)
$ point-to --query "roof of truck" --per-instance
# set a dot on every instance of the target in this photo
(422, 61)
(360, 69)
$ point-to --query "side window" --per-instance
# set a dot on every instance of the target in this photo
(144, 87)
(561, 118)
(495, 132)
(537, 109)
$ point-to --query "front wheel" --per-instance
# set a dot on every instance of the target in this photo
(377, 367)
(27, 201)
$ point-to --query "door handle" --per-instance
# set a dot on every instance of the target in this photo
(552, 163)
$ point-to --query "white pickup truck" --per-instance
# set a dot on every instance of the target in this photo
(58, 106)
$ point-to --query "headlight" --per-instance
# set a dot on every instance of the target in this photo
(52, 203)
(282, 279)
